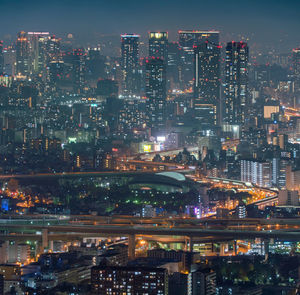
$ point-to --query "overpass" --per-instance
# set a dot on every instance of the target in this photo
(131, 231)
(75, 174)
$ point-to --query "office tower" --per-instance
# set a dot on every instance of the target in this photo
(130, 65)
(22, 55)
(257, 172)
(202, 282)
(173, 66)
(296, 68)
(95, 66)
(207, 78)
(75, 68)
(119, 280)
(38, 51)
(236, 80)
(53, 49)
(158, 45)
(1, 285)
(107, 88)
(156, 92)
(1, 58)
(288, 198)
(187, 41)
(56, 74)
(9, 56)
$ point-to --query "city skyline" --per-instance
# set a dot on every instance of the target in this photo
(89, 20)
(150, 147)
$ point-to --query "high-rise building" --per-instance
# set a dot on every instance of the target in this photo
(174, 65)
(288, 198)
(202, 282)
(53, 49)
(38, 50)
(156, 92)
(130, 65)
(1, 58)
(296, 68)
(119, 280)
(187, 40)
(207, 76)
(257, 172)
(1, 285)
(22, 54)
(158, 45)
(75, 61)
(236, 80)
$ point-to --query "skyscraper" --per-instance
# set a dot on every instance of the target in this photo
(37, 45)
(207, 77)
(156, 91)
(158, 45)
(130, 65)
(296, 68)
(75, 62)
(236, 83)
(1, 58)
(174, 66)
(187, 40)
(23, 54)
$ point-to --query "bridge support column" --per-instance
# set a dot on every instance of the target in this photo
(190, 244)
(267, 248)
(131, 247)
(223, 246)
(234, 247)
(45, 241)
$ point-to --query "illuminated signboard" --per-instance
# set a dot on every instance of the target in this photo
(147, 148)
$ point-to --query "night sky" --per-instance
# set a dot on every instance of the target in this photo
(265, 22)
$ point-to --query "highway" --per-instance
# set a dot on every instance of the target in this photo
(75, 174)
(290, 233)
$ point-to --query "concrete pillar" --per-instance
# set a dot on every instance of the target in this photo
(234, 247)
(51, 246)
(222, 249)
(190, 244)
(131, 247)
(267, 249)
(45, 240)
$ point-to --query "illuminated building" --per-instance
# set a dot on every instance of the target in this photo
(9, 56)
(256, 172)
(53, 49)
(236, 83)
(296, 68)
(207, 77)
(130, 65)
(202, 282)
(271, 107)
(156, 91)
(38, 50)
(1, 285)
(56, 73)
(187, 40)
(75, 63)
(1, 58)
(292, 179)
(174, 66)
(22, 55)
(119, 280)
(240, 211)
(132, 115)
(288, 198)
(158, 45)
